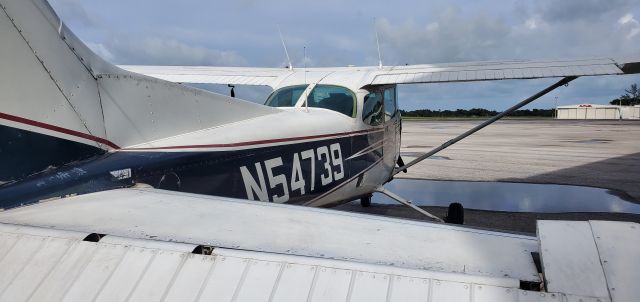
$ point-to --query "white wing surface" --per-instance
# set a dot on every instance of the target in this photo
(507, 70)
(212, 75)
(152, 245)
(284, 229)
(356, 77)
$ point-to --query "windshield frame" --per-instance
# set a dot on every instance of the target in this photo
(354, 96)
(269, 99)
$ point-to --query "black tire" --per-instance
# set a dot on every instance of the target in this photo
(455, 214)
(365, 202)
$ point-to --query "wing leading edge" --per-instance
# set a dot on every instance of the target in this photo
(506, 70)
(212, 75)
(407, 74)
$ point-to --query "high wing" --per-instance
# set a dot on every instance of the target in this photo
(407, 74)
(212, 75)
(506, 70)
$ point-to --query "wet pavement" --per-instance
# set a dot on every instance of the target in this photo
(518, 171)
(518, 222)
(513, 207)
(511, 197)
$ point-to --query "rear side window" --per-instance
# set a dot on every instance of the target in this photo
(286, 97)
(334, 98)
(390, 105)
(372, 112)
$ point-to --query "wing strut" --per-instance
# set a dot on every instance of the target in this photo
(408, 203)
(564, 81)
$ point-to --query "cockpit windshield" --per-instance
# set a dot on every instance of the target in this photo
(330, 97)
(286, 97)
(334, 98)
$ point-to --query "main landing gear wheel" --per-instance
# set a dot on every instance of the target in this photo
(365, 202)
(455, 214)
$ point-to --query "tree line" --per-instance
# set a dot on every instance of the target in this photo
(476, 112)
(630, 98)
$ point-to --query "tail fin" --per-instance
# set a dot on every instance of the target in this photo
(59, 102)
(49, 99)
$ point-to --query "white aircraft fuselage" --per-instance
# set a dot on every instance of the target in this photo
(327, 144)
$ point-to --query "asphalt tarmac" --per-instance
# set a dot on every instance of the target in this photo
(603, 154)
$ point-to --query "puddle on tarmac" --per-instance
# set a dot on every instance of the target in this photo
(510, 197)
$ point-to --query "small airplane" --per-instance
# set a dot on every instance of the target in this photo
(99, 165)
(324, 136)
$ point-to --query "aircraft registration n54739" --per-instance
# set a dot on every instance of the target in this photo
(331, 158)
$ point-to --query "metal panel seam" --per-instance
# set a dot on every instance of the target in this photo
(115, 268)
(313, 283)
(205, 282)
(104, 124)
(352, 280)
(604, 273)
(430, 297)
(390, 287)
(84, 267)
(11, 248)
(142, 274)
(26, 263)
(35, 289)
(236, 292)
(174, 277)
(277, 282)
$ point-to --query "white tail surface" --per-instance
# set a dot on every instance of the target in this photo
(51, 83)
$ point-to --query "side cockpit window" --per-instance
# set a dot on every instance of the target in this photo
(372, 109)
(334, 98)
(285, 97)
(390, 105)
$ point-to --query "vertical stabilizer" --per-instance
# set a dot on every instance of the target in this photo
(60, 102)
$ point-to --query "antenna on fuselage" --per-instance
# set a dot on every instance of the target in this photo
(306, 97)
(378, 44)
(285, 50)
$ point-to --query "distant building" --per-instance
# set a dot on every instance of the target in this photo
(597, 112)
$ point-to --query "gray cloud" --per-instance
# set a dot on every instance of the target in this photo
(452, 35)
(73, 11)
(167, 51)
(338, 33)
(574, 10)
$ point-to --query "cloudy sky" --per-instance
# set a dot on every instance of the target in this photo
(342, 32)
